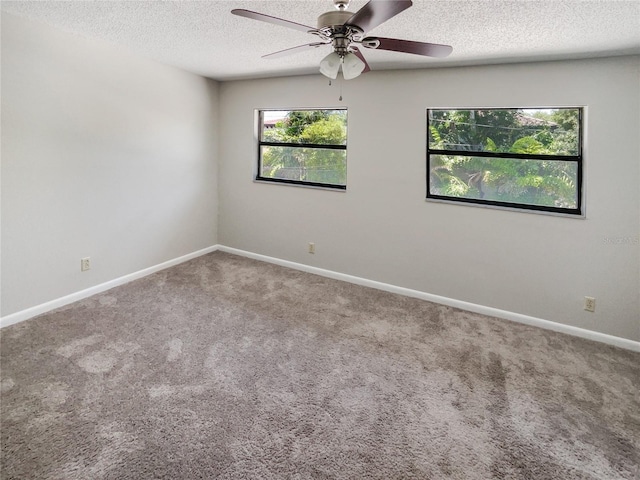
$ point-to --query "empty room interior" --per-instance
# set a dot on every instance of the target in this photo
(404, 245)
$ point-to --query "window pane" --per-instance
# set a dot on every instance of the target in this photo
(530, 182)
(317, 165)
(321, 127)
(527, 131)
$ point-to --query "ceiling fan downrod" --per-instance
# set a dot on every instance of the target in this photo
(341, 4)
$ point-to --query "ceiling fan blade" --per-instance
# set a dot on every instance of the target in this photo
(358, 53)
(377, 12)
(269, 19)
(408, 46)
(299, 48)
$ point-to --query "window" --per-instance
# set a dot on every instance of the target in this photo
(515, 158)
(303, 147)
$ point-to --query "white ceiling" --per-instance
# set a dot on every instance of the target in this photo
(205, 38)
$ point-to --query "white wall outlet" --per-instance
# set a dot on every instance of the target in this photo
(312, 247)
(85, 264)
(590, 304)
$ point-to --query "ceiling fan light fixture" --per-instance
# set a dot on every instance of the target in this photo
(352, 66)
(330, 65)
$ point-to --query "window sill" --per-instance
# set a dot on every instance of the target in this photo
(505, 208)
(293, 183)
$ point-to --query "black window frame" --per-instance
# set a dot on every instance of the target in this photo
(261, 143)
(578, 159)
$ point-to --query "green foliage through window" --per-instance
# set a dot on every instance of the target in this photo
(307, 147)
(522, 158)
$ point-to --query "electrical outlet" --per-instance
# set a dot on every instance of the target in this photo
(590, 304)
(85, 264)
(312, 247)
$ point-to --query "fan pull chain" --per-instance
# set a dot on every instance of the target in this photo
(330, 84)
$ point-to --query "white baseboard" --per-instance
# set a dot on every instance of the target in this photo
(74, 297)
(471, 307)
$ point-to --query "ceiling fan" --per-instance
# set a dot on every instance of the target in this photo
(345, 31)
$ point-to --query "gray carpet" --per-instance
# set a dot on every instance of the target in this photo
(225, 367)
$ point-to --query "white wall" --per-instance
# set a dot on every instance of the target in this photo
(383, 229)
(104, 154)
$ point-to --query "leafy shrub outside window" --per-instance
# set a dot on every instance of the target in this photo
(305, 147)
(516, 158)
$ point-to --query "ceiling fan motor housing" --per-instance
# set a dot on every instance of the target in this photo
(333, 18)
(331, 25)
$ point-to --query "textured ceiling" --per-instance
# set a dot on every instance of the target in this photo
(203, 37)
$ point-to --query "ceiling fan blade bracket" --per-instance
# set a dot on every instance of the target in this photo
(356, 33)
(370, 42)
(322, 34)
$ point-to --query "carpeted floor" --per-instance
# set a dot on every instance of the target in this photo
(225, 367)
